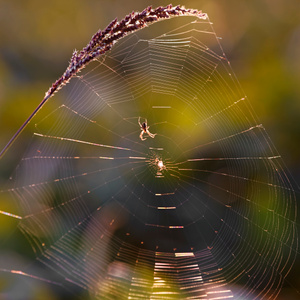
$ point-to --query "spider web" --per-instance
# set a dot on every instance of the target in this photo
(204, 210)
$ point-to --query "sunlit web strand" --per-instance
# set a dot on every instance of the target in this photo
(83, 142)
(228, 137)
(239, 177)
(29, 275)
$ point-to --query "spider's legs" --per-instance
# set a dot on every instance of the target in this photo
(139, 121)
(151, 134)
(141, 136)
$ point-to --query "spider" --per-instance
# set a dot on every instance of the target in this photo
(145, 129)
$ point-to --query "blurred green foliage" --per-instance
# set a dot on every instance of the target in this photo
(260, 38)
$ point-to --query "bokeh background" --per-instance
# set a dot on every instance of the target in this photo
(261, 39)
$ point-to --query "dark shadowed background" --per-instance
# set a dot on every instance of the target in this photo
(260, 38)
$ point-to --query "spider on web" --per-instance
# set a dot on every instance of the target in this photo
(145, 129)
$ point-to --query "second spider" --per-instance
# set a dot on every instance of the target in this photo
(145, 129)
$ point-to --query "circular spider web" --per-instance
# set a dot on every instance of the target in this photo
(202, 210)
